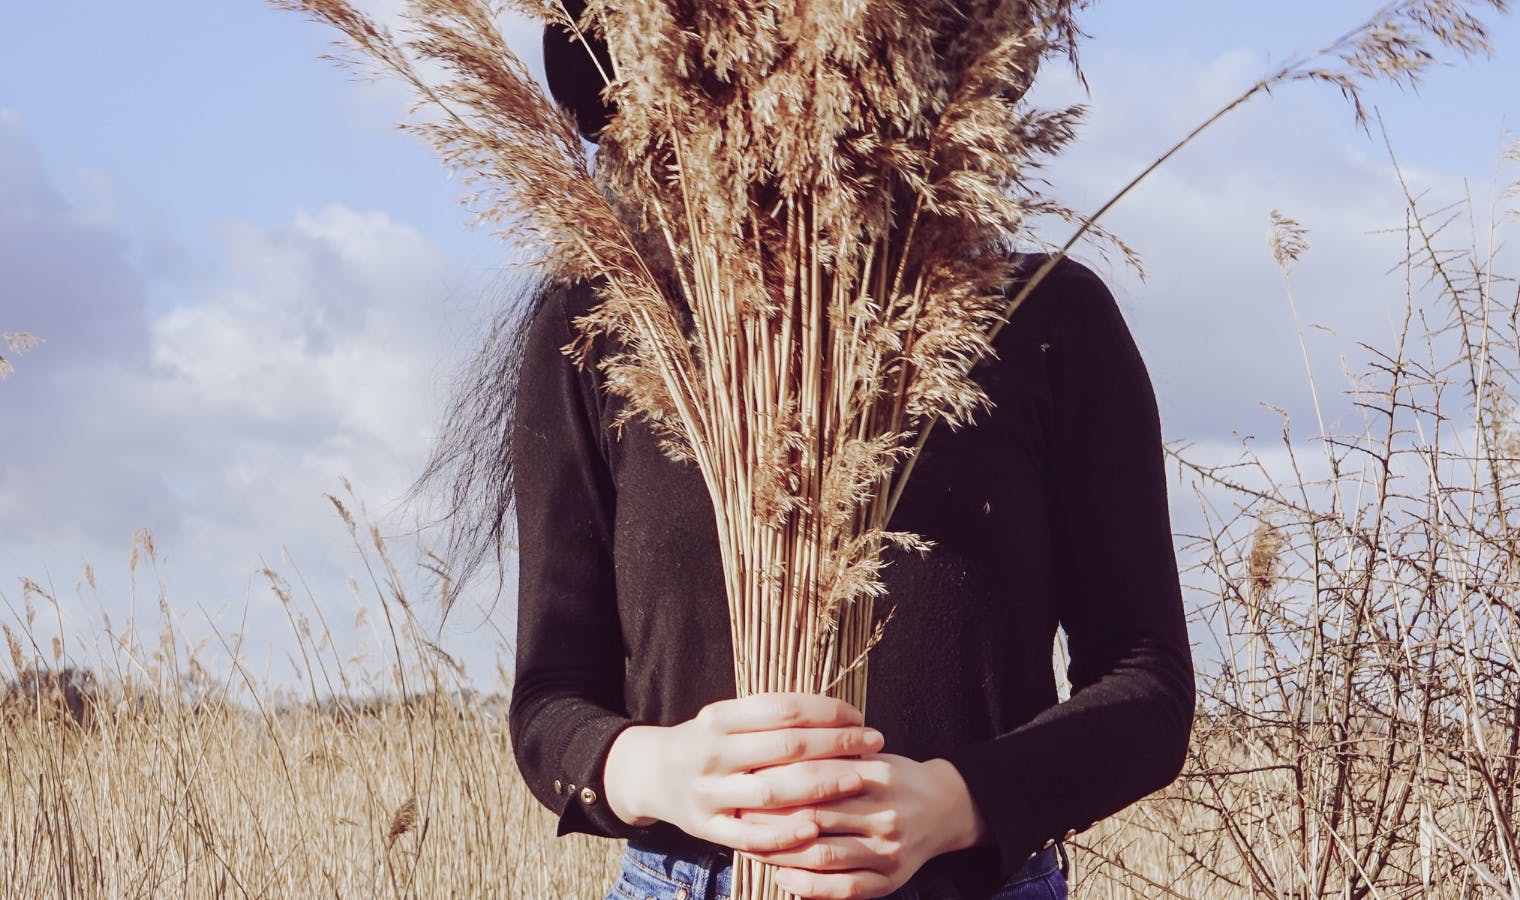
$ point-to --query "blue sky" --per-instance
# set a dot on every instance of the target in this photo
(251, 283)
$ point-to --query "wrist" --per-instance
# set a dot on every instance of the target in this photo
(963, 823)
(626, 774)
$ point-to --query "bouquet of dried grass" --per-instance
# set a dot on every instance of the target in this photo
(800, 223)
(822, 200)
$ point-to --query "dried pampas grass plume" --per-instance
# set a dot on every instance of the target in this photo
(16, 343)
(1290, 240)
(404, 819)
(1264, 561)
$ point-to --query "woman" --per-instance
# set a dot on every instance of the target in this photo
(1050, 510)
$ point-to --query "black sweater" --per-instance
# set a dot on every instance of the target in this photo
(1050, 509)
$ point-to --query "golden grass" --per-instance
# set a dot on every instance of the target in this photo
(167, 800)
(139, 773)
(159, 799)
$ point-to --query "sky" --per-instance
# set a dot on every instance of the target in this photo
(252, 286)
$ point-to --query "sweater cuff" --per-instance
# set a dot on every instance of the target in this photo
(1011, 824)
(578, 789)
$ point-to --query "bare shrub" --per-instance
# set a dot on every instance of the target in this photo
(1359, 732)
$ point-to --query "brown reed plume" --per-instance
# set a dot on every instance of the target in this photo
(402, 821)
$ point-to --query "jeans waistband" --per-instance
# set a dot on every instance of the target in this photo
(710, 868)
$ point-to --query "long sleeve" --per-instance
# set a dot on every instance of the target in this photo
(567, 695)
(1124, 731)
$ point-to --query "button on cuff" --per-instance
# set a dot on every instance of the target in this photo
(581, 763)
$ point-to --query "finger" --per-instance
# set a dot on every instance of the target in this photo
(861, 883)
(756, 749)
(764, 712)
(857, 814)
(794, 784)
(830, 853)
(758, 837)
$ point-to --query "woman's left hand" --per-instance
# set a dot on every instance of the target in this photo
(871, 843)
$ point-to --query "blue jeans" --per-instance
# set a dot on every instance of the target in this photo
(653, 875)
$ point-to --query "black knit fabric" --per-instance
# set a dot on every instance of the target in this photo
(1050, 509)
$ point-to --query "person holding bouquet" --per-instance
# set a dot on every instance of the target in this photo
(964, 775)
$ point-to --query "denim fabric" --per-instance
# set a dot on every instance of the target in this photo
(654, 875)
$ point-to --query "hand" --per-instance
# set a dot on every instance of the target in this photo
(697, 774)
(871, 843)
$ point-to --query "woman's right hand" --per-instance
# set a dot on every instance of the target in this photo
(697, 775)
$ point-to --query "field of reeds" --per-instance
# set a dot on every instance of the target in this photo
(143, 774)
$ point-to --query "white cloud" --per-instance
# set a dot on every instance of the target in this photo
(324, 320)
(1213, 318)
(312, 352)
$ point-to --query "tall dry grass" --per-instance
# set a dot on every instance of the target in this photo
(141, 774)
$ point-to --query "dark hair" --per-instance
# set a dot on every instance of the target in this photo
(471, 471)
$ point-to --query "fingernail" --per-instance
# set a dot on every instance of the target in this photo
(874, 737)
(804, 832)
(850, 782)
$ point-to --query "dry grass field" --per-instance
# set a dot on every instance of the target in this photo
(166, 800)
(148, 798)
(162, 780)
